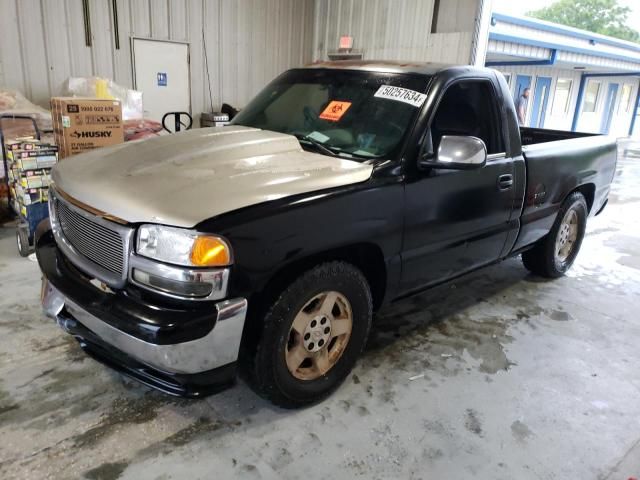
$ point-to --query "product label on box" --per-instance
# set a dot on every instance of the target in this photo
(88, 134)
(66, 121)
(101, 119)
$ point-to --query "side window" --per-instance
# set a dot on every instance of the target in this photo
(469, 108)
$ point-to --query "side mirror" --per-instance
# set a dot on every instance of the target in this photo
(457, 153)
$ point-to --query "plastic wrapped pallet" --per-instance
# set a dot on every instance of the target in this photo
(14, 103)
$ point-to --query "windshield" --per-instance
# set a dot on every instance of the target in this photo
(352, 114)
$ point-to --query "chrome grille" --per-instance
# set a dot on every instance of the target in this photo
(97, 246)
(96, 242)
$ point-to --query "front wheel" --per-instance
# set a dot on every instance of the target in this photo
(312, 335)
(555, 254)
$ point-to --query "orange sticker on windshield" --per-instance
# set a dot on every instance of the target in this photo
(335, 110)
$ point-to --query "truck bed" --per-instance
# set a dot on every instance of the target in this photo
(532, 136)
(557, 163)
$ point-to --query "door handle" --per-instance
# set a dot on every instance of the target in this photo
(505, 182)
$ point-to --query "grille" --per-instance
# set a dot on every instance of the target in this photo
(96, 242)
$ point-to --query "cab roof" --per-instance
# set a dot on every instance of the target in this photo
(386, 66)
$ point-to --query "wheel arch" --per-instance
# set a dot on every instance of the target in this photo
(588, 191)
(366, 256)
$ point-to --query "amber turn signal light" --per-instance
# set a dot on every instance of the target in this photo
(210, 252)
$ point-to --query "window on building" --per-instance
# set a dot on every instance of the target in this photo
(561, 96)
(625, 99)
(591, 95)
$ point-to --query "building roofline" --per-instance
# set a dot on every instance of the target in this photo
(565, 30)
(562, 48)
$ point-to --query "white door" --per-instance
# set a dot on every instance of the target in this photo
(161, 73)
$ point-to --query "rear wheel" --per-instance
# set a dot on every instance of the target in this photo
(312, 335)
(555, 254)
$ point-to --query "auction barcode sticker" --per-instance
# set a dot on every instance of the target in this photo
(401, 95)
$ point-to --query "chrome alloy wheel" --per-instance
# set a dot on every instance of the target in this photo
(567, 236)
(318, 335)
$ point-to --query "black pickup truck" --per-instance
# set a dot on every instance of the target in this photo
(268, 244)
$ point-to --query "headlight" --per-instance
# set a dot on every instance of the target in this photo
(182, 247)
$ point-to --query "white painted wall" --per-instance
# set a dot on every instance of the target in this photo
(552, 121)
(587, 122)
(621, 119)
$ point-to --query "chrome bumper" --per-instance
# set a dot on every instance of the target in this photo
(218, 348)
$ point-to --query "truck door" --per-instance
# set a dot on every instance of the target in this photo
(457, 220)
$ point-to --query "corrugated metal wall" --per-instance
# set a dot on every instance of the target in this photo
(395, 29)
(248, 42)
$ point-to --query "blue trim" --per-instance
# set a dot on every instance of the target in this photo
(607, 112)
(563, 29)
(576, 113)
(539, 43)
(635, 111)
(616, 74)
(550, 61)
(539, 109)
(522, 82)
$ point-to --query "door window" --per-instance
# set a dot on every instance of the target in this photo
(591, 97)
(561, 96)
(625, 99)
(469, 108)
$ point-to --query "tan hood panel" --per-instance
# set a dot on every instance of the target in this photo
(185, 178)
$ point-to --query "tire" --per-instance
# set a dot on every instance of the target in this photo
(22, 242)
(544, 258)
(271, 377)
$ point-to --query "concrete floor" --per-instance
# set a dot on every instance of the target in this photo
(500, 375)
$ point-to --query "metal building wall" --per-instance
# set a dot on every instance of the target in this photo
(248, 42)
(396, 29)
(553, 121)
(588, 121)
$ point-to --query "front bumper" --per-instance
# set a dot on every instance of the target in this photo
(143, 340)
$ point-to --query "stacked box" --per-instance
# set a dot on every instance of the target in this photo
(82, 124)
(30, 162)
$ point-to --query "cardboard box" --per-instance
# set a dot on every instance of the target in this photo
(82, 124)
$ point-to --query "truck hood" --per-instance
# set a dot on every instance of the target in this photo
(185, 178)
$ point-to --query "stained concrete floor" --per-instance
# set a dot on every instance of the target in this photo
(499, 375)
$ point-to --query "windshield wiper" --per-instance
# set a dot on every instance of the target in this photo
(329, 151)
(317, 144)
